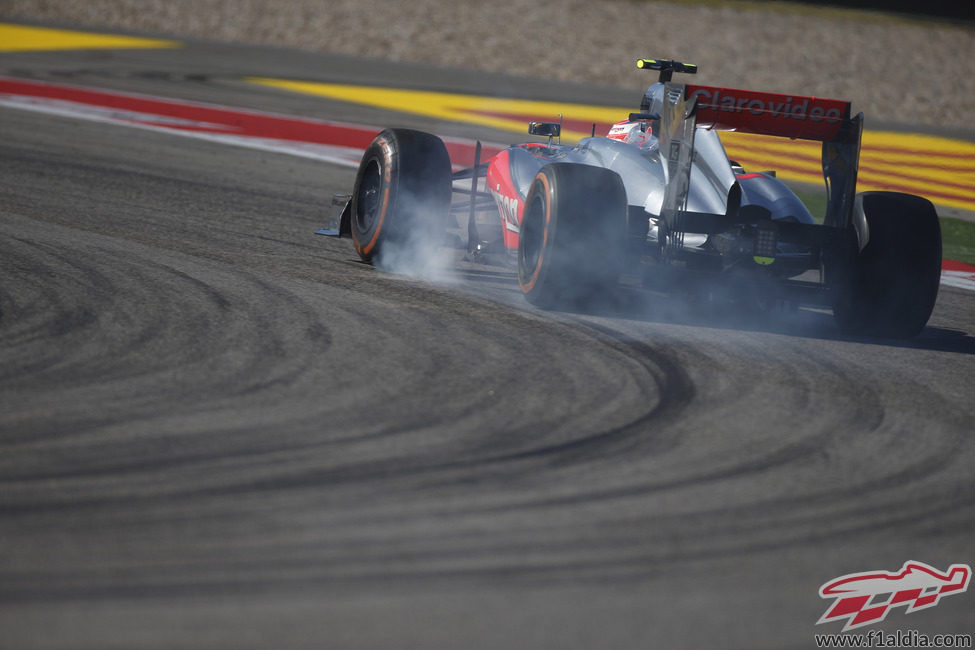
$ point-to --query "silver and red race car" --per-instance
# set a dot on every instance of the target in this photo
(659, 197)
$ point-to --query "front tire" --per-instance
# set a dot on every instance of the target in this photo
(402, 192)
(888, 289)
(572, 235)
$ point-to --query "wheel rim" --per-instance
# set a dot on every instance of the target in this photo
(367, 200)
(532, 237)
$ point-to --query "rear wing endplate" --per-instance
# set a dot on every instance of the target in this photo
(676, 140)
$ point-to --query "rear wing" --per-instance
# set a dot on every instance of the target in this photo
(788, 116)
(797, 117)
(686, 107)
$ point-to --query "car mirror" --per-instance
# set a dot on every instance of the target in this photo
(545, 129)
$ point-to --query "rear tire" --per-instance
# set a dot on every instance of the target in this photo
(888, 289)
(402, 194)
(573, 234)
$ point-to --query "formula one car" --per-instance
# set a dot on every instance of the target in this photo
(658, 195)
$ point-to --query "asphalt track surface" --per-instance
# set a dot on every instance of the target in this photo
(218, 430)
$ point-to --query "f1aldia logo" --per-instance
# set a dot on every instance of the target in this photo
(866, 598)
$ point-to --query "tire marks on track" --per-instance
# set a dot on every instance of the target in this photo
(204, 408)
